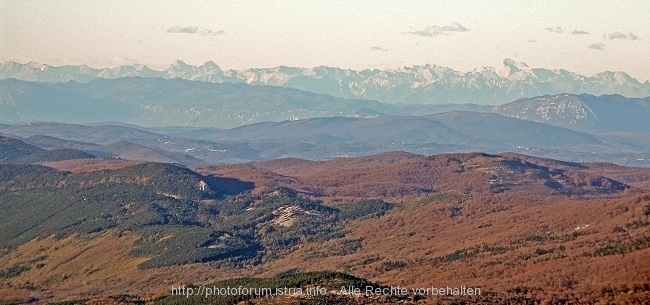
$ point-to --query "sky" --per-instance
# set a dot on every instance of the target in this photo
(585, 37)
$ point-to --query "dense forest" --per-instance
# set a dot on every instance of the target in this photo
(179, 223)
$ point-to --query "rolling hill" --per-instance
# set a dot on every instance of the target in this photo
(515, 132)
(144, 145)
(584, 112)
(401, 174)
(477, 130)
(341, 129)
(328, 138)
(15, 151)
(122, 149)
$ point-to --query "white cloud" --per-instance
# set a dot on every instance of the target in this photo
(556, 29)
(579, 32)
(212, 33)
(435, 30)
(183, 29)
(619, 35)
(454, 27)
(378, 49)
(193, 30)
(597, 46)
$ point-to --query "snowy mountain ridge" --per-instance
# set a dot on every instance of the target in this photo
(427, 84)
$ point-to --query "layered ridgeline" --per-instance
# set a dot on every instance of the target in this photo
(173, 102)
(428, 84)
(42, 149)
(332, 137)
(15, 151)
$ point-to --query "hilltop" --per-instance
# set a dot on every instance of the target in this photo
(583, 112)
(15, 151)
(402, 174)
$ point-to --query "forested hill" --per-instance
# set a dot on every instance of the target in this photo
(39, 201)
(204, 218)
(15, 151)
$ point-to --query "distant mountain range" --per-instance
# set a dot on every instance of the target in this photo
(428, 84)
(235, 122)
(171, 102)
(179, 102)
(584, 112)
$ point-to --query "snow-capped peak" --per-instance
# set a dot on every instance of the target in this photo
(514, 70)
(36, 65)
(179, 64)
(211, 65)
(424, 84)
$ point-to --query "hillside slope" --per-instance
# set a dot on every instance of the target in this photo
(122, 149)
(401, 174)
(584, 112)
(16, 151)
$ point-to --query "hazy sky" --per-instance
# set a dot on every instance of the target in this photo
(581, 36)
